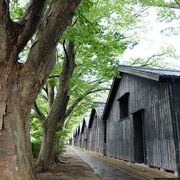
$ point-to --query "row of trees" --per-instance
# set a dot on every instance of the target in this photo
(89, 62)
(85, 58)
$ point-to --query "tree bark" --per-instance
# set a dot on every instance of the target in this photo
(20, 84)
(15, 161)
(50, 96)
(15, 152)
(58, 110)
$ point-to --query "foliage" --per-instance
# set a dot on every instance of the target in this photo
(16, 9)
(96, 49)
(167, 15)
(36, 135)
(160, 3)
(156, 60)
(101, 31)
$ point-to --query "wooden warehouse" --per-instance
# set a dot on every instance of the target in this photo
(96, 129)
(89, 134)
(142, 117)
(75, 137)
(85, 133)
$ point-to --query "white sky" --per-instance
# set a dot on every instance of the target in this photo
(152, 40)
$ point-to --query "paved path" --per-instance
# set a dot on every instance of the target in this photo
(73, 168)
(104, 169)
(84, 165)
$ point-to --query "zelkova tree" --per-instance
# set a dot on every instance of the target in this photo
(60, 107)
(20, 83)
(89, 61)
(57, 110)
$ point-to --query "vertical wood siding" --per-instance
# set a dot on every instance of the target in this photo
(176, 107)
(95, 139)
(154, 98)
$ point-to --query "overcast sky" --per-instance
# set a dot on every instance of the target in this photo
(153, 41)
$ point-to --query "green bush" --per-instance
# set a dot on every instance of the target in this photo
(36, 145)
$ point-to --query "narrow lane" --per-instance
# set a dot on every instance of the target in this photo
(104, 169)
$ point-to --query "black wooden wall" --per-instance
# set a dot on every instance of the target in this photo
(153, 97)
(175, 96)
(84, 138)
(96, 135)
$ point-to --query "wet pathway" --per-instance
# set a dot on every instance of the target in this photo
(103, 168)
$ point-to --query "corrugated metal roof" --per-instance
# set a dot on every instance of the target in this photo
(151, 73)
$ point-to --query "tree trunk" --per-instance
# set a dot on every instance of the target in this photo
(15, 152)
(20, 83)
(50, 96)
(57, 113)
(14, 159)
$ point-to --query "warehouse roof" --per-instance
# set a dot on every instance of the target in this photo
(157, 74)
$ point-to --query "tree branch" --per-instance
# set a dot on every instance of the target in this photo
(29, 23)
(57, 19)
(42, 54)
(65, 51)
(80, 98)
(149, 59)
(58, 109)
(43, 96)
(178, 3)
(45, 88)
(99, 81)
(38, 112)
(4, 11)
(174, 5)
(7, 32)
(54, 76)
(87, 21)
(66, 123)
(51, 95)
